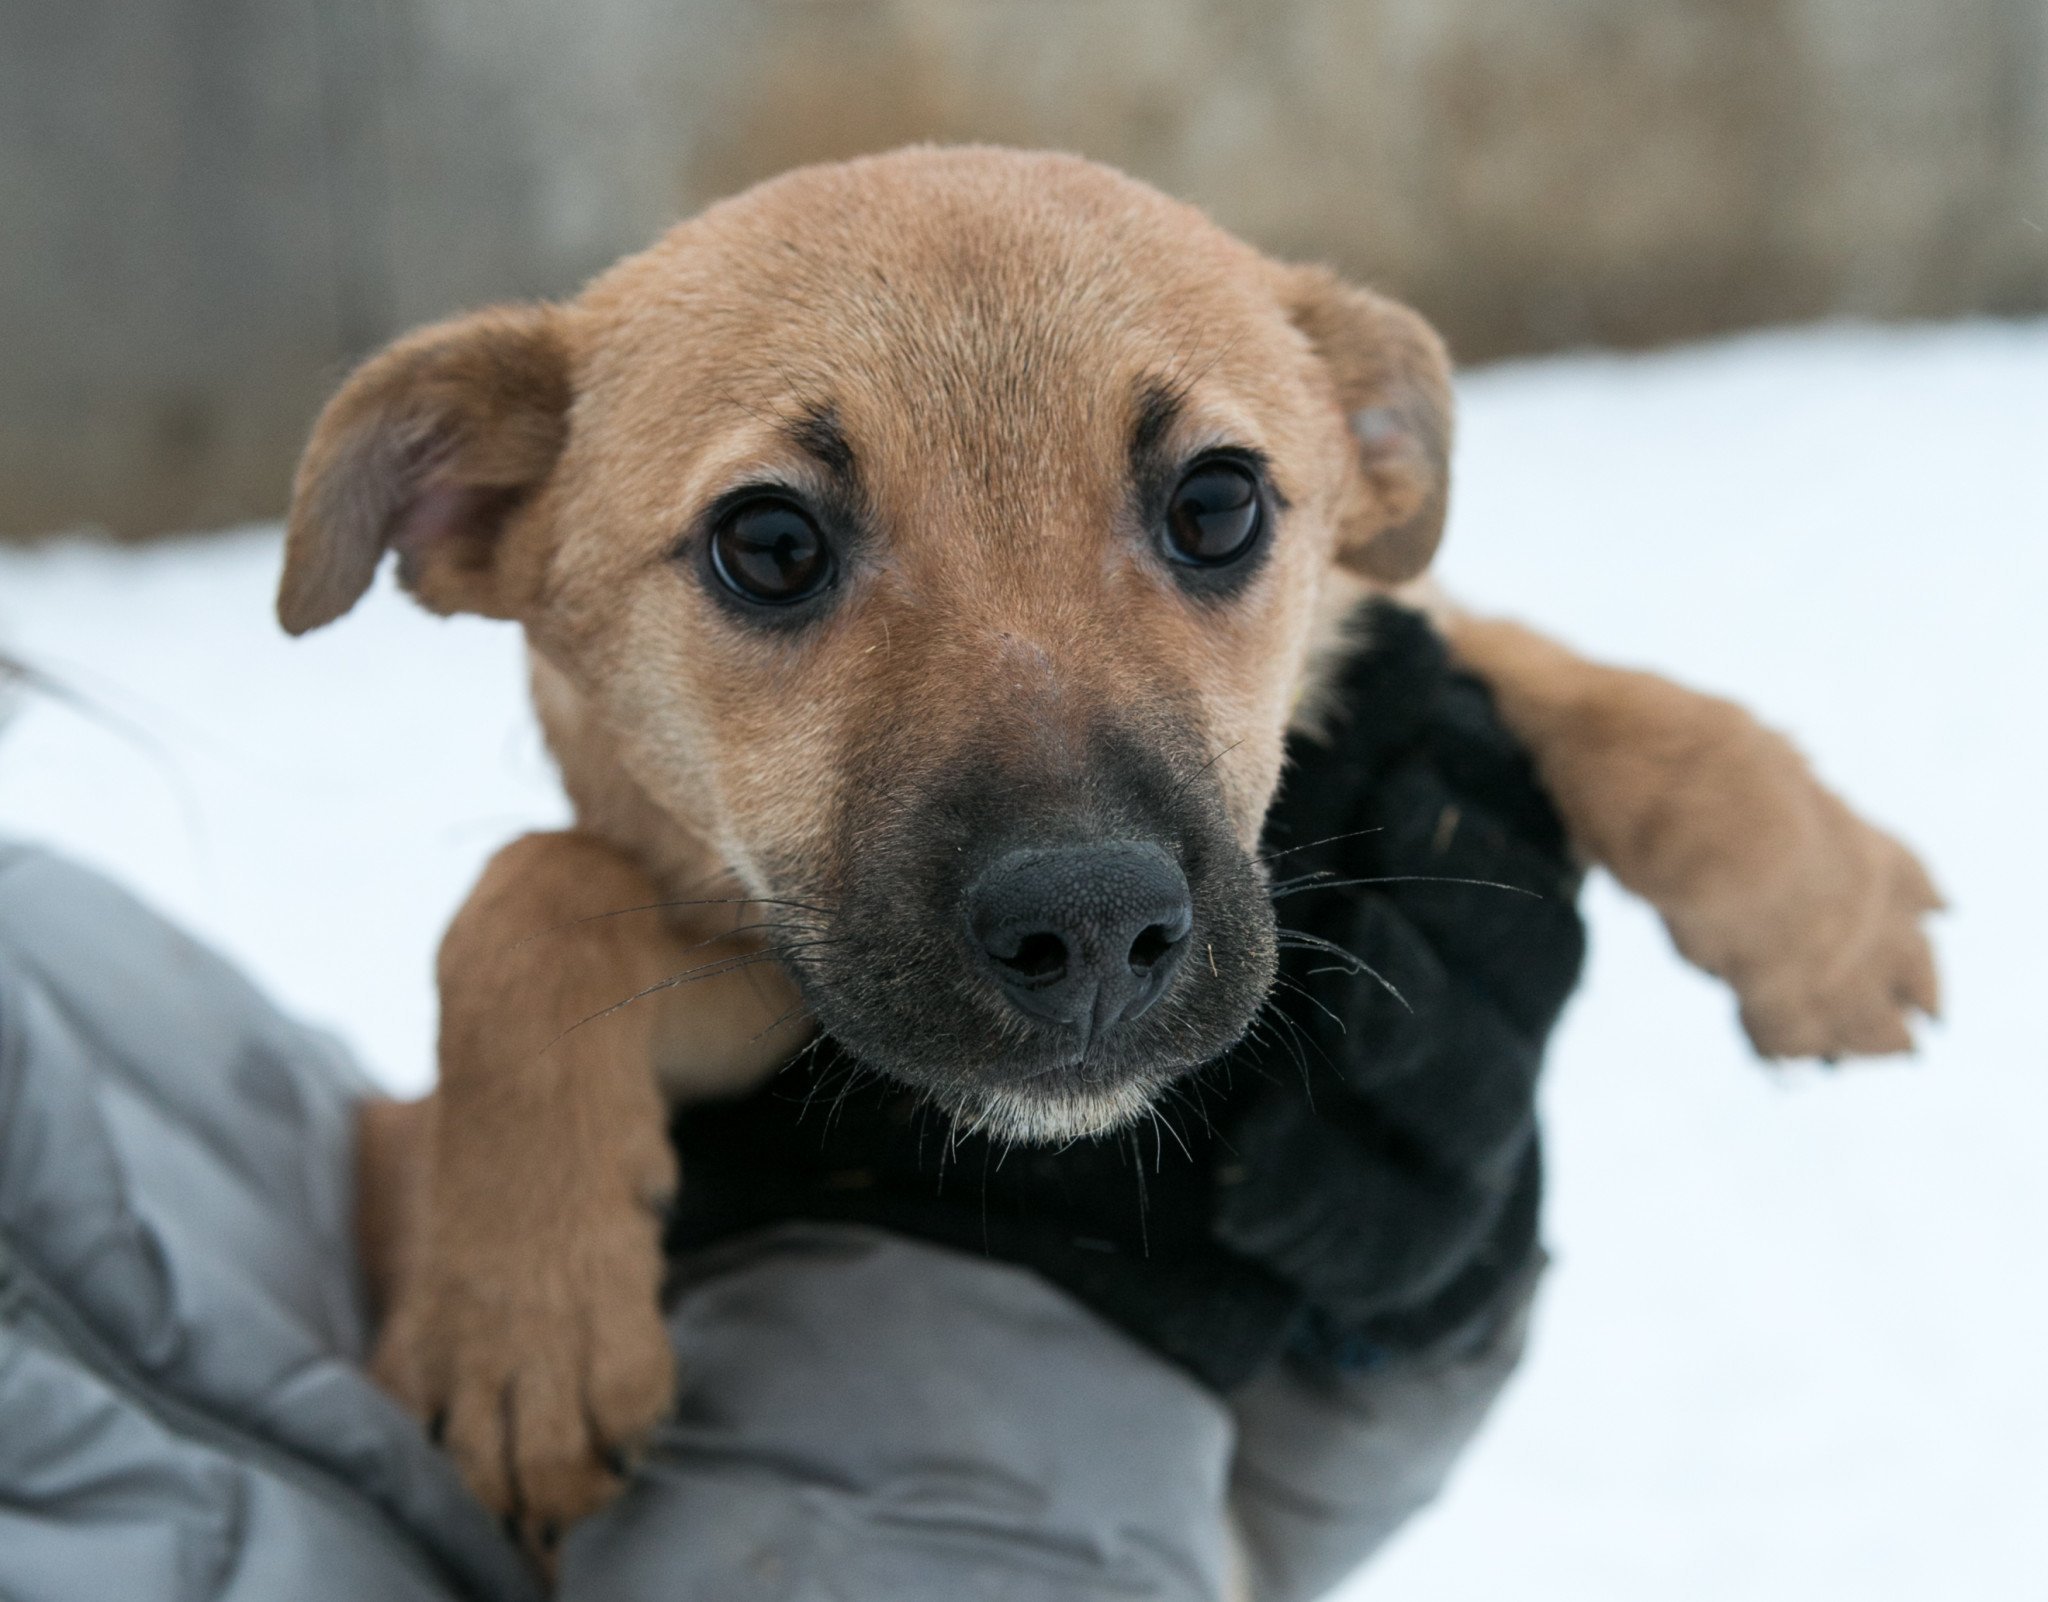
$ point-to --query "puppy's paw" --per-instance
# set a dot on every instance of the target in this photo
(542, 1378)
(1857, 969)
(1824, 937)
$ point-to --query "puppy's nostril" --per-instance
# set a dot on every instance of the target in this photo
(1153, 942)
(1038, 956)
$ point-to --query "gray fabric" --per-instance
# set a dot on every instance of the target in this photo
(864, 1418)
(1326, 1473)
(869, 1418)
(182, 1412)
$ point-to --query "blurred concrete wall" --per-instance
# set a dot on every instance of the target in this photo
(208, 207)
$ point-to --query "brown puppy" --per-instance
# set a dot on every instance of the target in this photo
(924, 559)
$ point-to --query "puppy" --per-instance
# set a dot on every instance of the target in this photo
(923, 561)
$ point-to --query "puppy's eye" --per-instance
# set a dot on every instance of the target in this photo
(1215, 514)
(769, 552)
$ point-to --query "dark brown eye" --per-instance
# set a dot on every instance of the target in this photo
(771, 553)
(1215, 515)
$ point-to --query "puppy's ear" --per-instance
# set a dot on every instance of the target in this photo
(1393, 378)
(428, 450)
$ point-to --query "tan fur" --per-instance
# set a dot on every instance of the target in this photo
(1763, 876)
(393, 1148)
(427, 451)
(523, 1314)
(978, 323)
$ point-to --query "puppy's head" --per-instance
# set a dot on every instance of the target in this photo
(940, 538)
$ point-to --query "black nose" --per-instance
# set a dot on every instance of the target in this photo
(1082, 935)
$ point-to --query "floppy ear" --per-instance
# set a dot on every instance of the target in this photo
(428, 449)
(1393, 377)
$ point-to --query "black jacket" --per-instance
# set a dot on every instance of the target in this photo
(1358, 1181)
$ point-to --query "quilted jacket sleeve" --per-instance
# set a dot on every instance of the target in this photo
(182, 1412)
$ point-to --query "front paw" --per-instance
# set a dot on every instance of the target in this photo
(541, 1376)
(1828, 952)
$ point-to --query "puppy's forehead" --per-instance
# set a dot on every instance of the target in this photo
(940, 300)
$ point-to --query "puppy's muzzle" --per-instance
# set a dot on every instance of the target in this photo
(1087, 937)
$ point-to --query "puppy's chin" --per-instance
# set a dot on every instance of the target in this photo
(1044, 1115)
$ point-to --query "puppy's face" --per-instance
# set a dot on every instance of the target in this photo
(941, 538)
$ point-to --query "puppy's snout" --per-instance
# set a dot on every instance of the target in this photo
(1082, 935)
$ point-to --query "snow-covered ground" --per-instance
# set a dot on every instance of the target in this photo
(1795, 1345)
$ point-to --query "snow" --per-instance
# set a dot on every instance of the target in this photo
(1793, 1344)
